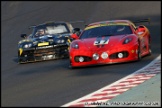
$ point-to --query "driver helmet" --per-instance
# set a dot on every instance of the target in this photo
(41, 32)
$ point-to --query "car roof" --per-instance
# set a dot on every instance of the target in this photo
(49, 22)
(52, 22)
(109, 21)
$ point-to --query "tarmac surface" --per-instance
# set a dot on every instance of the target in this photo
(52, 83)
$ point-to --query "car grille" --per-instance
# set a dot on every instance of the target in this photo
(48, 51)
(86, 59)
(115, 55)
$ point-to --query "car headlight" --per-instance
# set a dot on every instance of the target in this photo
(75, 45)
(127, 40)
(95, 56)
(120, 55)
(60, 41)
(27, 45)
(81, 59)
(104, 55)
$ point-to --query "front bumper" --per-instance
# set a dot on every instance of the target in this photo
(42, 53)
(129, 54)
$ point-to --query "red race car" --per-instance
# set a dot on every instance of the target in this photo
(113, 41)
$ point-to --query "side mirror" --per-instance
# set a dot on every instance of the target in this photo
(140, 30)
(23, 36)
(76, 31)
(74, 36)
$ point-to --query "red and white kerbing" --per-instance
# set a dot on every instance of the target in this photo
(118, 87)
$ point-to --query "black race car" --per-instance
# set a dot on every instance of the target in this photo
(48, 41)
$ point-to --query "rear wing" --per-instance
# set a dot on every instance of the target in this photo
(32, 26)
(81, 21)
(142, 20)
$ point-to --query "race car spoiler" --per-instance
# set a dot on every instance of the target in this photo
(142, 20)
(32, 26)
(79, 21)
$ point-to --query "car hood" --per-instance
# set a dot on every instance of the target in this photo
(103, 42)
(46, 38)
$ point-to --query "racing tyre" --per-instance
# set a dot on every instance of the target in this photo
(150, 51)
(70, 67)
(21, 60)
(139, 53)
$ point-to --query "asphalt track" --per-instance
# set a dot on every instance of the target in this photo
(52, 83)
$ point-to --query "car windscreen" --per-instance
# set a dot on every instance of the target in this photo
(111, 30)
(51, 29)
